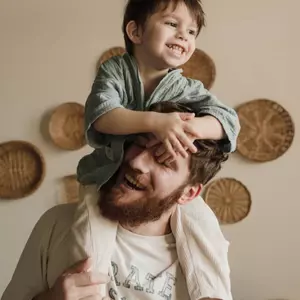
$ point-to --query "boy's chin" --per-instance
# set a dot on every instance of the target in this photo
(174, 63)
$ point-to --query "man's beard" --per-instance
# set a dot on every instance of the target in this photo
(140, 211)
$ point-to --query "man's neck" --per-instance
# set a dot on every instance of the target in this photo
(151, 77)
(155, 228)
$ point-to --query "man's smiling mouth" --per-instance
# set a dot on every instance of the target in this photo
(132, 183)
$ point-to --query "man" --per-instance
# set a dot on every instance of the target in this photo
(145, 259)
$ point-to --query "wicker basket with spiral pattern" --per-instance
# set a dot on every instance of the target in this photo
(22, 169)
(201, 67)
(267, 130)
(66, 126)
(229, 199)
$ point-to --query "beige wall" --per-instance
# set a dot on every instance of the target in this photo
(48, 52)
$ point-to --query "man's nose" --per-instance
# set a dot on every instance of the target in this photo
(142, 162)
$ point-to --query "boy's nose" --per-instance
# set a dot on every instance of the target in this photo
(182, 35)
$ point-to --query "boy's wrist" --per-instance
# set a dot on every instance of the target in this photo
(152, 121)
(208, 127)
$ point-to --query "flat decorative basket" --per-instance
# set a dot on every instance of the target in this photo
(107, 54)
(201, 67)
(71, 188)
(66, 126)
(22, 169)
(267, 130)
(229, 199)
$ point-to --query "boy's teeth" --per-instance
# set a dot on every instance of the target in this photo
(176, 48)
(133, 181)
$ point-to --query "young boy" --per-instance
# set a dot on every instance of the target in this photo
(159, 37)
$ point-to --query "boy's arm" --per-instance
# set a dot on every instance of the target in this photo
(208, 127)
(204, 103)
(122, 121)
(109, 109)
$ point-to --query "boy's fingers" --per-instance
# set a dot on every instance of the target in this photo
(190, 131)
(160, 151)
(186, 116)
(169, 148)
(188, 143)
(163, 158)
(179, 148)
(169, 161)
(152, 143)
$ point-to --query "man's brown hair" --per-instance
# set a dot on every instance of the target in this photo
(140, 10)
(207, 162)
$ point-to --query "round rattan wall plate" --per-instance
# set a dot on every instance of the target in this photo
(267, 130)
(66, 126)
(229, 199)
(22, 169)
(114, 51)
(71, 188)
(201, 67)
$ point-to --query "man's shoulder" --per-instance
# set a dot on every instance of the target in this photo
(201, 217)
(53, 235)
(58, 216)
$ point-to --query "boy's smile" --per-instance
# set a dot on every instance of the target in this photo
(176, 49)
(168, 38)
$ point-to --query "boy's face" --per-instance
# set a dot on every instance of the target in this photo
(168, 39)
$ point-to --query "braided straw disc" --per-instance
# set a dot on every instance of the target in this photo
(22, 169)
(71, 187)
(201, 67)
(114, 51)
(267, 130)
(229, 199)
(66, 126)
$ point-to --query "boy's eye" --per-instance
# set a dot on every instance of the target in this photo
(192, 32)
(171, 24)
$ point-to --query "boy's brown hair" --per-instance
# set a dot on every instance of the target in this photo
(208, 160)
(140, 10)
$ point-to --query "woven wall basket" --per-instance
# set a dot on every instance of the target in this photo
(229, 199)
(201, 67)
(22, 169)
(71, 188)
(107, 54)
(66, 126)
(267, 130)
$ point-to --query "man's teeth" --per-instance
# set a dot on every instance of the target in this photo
(133, 181)
(177, 49)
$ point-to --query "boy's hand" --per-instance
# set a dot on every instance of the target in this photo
(164, 157)
(172, 130)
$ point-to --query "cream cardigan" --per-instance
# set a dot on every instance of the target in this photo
(70, 232)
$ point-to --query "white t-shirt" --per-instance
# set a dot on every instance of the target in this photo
(146, 268)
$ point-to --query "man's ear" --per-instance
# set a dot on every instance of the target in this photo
(133, 32)
(189, 193)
